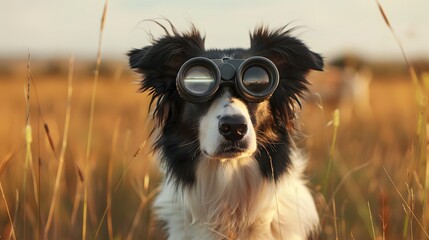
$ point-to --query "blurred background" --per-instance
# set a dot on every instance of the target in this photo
(79, 167)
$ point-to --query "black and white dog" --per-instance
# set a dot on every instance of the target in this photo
(224, 135)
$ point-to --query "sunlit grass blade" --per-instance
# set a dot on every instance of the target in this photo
(7, 159)
(406, 204)
(28, 138)
(336, 124)
(91, 119)
(334, 211)
(3, 166)
(145, 199)
(424, 138)
(8, 212)
(372, 221)
(117, 187)
(63, 149)
(48, 134)
(421, 92)
(29, 154)
(109, 178)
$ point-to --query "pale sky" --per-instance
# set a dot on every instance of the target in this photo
(331, 27)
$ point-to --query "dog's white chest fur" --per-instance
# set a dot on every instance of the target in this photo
(231, 200)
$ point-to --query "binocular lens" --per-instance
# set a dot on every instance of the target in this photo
(199, 80)
(256, 79)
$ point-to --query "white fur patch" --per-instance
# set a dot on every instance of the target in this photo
(210, 138)
(231, 200)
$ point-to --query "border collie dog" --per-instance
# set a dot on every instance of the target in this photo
(224, 127)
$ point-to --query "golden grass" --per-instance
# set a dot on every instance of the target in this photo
(3, 165)
(372, 222)
(63, 148)
(91, 117)
(28, 141)
(123, 181)
(109, 178)
(420, 87)
(336, 124)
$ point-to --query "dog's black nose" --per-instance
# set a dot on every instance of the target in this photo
(233, 127)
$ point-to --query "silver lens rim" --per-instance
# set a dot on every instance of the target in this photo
(188, 95)
(272, 72)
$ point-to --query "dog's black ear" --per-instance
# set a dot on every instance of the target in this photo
(159, 63)
(136, 56)
(293, 60)
(284, 50)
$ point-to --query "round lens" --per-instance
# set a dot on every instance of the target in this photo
(256, 79)
(199, 80)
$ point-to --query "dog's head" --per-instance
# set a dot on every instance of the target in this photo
(227, 125)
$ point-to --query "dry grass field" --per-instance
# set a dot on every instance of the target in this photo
(75, 161)
(367, 168)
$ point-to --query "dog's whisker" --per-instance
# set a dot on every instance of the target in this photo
(189, 143)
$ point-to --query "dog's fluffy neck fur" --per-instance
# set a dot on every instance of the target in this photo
(232, 200)
(227, 194)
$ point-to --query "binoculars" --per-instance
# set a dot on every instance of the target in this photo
(255, 78)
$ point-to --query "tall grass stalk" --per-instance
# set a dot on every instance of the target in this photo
(117, 187)
(28, 153)
(145, 199)
(412, 209)
(407, 219)
(28, 139)
(336, 124)
(425, 141)
(95, 82)
(8, 212)
(421, 94)
(76, 202)
(7, 159)
(40, 116)
(421, 143)
(85, 207)
(91, 119)
(17, 202)
(109, 178)
(78, 193)
(404, 202)
(372, 222)
(29, 161)
(3, 165)
(63, 148)
(334, 210)
(356, 196)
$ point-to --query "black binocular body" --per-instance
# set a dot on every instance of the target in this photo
(254, 78)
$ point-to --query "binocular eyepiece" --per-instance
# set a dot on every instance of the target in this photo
(255, 78)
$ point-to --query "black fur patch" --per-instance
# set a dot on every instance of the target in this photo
(274, 158)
